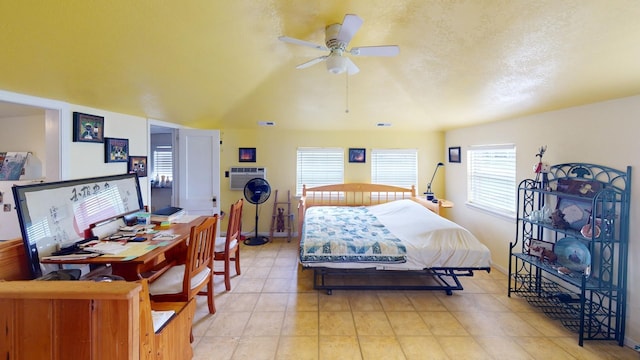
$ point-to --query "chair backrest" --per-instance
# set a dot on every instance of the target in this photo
(234, 228)
(200, 250)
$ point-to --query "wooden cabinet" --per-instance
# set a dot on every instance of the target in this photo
(88, 320)
(59, 319)
(14, 264)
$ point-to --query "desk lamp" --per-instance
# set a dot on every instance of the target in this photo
(430, 195)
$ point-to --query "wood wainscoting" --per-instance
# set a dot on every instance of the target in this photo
(13, 261)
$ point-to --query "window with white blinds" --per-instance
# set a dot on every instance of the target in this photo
(491, 178)
(398, 167)
(163, 161)
(319, 166)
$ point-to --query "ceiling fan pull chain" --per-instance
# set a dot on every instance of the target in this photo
(347, 90)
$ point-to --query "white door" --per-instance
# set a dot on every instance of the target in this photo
(198, 171)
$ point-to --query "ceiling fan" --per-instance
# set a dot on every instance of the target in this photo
(338, 37)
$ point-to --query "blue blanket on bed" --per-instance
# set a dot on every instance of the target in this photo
(348, 234)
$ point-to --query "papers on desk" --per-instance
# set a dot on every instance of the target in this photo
(165, 236)
(184, 219)
(104, 247)
(70, 256)
(160, 318)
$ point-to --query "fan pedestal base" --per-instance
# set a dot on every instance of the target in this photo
(256, 240)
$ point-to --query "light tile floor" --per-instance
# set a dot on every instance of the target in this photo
(272, 312)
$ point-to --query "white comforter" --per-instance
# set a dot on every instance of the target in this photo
(431, 240)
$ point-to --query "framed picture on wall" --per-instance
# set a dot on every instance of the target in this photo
(357, 155)
(247, 154)
(138, 165)
(454, 154)
(116, 150)
(88, 128)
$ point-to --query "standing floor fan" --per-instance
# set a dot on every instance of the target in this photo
(257, 191)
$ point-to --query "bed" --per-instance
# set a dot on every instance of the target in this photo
(371, 236)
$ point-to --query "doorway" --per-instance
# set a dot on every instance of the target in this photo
(162, 170)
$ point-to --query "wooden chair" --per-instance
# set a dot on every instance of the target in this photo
(227, 248)
(182, 279)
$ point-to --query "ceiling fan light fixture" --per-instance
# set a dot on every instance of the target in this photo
(337, 38)
(336, 64)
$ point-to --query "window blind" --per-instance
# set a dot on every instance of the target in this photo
(398, 167)
(319, 166)
(163, 161)
(491, 178)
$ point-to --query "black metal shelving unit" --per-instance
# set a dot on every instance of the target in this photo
(589, 301)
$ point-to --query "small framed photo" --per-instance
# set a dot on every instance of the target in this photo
(357, 155)
(454, 154)
(537, 246)
(138, 165)
(583, 188)
(577, 212)
(116, 150)
(88, 128)
(247, 154)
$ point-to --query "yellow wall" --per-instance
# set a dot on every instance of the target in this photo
(276, 151)
(603, 133)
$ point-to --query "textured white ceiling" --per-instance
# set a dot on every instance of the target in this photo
(218, 64)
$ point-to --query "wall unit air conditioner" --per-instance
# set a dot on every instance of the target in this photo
(239, 176)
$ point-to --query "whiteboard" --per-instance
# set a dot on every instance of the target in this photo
(57, 214)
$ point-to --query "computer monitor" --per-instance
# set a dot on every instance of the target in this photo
(57, 214)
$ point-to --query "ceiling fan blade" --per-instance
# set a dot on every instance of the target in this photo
(351, 67)
(350, 26)
(291, 40)
(312, 62)
(385, 50)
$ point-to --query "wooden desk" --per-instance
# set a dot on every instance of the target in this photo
(131, 268)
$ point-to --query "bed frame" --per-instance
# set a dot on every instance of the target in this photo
(363, 194)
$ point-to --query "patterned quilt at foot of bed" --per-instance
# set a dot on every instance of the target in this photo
(348, 234)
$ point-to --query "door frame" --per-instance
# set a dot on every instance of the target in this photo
(174, 127)
(57, 126)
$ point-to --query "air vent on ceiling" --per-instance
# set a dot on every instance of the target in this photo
(266, 123)
(239, 176)
(383, 124)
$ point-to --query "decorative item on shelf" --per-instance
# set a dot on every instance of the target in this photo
(536, 247)
(591, 230)
(573, 254)
(357, 155)
(558, 221)
(542, 169)
(583, 188)
(429, 193)
(88, 128)
(548, 256)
